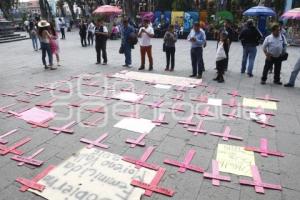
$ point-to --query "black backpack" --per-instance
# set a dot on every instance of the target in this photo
(133, 38)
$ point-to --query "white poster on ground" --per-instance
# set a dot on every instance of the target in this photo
(93, 174)
(136, 125)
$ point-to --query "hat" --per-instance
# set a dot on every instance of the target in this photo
(43, 23)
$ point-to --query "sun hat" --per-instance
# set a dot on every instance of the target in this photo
(43, 23)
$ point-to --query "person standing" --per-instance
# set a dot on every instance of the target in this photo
(62, 26)
(250, 38)
(222, 52)
(197, 39)
(82, 33)
(145, 34)
(126, 46)
(45, 38)
(101, 33)
(170, 39)
(91, 32)
(227, 28)
(274, 47)
(54, 45)
(34, 37)
(294, 75)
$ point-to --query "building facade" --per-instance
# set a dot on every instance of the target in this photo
(30, 7)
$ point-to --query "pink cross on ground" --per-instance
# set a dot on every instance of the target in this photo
(30, 159)
(3, 141)
(96, 143)
(137, 142)
(180, 89)
(268, 98)
(142, 161)
(33, 183)
(138, 101)
(215, 175)
(200, 99)
(263, 149)
(205, 112)
(260, 111)
(39, 125)
(94, 94)
(13, 149)
(46, 87)
(198, 129)
(10, 94)
(187, 122)
(23, 100)
(258, 184)
(3, 109)
(156, 104)
(178, 97)
(211, 90)
(177, 108)
(94, 122)
(77, 104)
(92, 84)
(160, 120)
(232, 103)
(64, 90)
(226, 134)
(129, 114)
(64, 129)
(232, 114)
(186, 164)
(47, 104)
(128, 89)
(265, 123)
(153, 186)
(99, 109)
(234, 93)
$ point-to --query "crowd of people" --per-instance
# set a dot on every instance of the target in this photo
(274, 46)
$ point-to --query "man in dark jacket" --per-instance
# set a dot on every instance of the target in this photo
(82, 33)
(101, 33)
(250, 38)
(227, 28)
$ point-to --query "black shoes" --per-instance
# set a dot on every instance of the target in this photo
(150, 68)
(199, 76)
(193, 75)
(277, 83)
(250, 75)
(288, 85)
(142, 68)
(263, 82)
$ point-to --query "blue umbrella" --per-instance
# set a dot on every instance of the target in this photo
(259, 11)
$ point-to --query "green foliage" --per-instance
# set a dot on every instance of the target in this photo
(183, 5)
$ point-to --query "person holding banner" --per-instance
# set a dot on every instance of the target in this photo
(197, 39)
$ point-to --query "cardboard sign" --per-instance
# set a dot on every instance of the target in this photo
(254, 103)
(158, 78)
(136, 125)
(94, 174)
(235, 160)
(36, 115)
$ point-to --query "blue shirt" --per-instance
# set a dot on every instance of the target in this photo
(126, 31)
(199, 36)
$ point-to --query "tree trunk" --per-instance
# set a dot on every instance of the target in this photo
(130, 8)
(71, 8)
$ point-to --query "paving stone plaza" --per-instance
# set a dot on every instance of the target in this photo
(22, 71)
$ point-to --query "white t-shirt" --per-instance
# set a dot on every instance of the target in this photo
(145, 40)
(274, 45)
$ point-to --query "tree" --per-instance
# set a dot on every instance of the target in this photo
(130, 8)
(60, 6)
(6, 6)
(45, 9)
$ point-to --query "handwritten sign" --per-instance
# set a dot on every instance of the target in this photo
(254, 103)
(93, 174)
(235, 160)
(158, 78)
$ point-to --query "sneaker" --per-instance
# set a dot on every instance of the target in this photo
(125, 65)
(98, 63)
(250, 75)
(193, 75)
(199, 76)
(277, 82)
(263, 82)
(288, 85)
(105, 63)
(46, 67)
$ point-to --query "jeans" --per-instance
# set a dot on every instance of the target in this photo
(127, 53)
(249, 54)
(83, 39)
(35, 42)
(46, 49)
(146, 50)
(90, 38)
(170, 54)
(197, 60)
(101, 47)
(62, 30)
(277, 69)
(295, 73)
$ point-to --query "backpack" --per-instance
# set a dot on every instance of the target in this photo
(133, 38)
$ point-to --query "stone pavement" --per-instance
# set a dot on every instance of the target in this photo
(21, 70)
